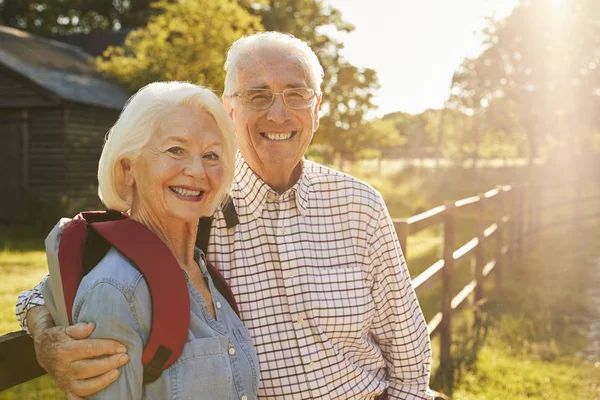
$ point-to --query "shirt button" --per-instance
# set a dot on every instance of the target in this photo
(272, 196)
(289, 274)
(300, 321)
(244, 397)
(218, 304)
(232, 350)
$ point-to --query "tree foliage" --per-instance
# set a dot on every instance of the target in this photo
(186, 41)
(538, 74)
(74, 16)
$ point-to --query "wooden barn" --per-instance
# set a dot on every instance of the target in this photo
(55, 110)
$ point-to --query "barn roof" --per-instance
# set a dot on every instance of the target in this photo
(65, 70)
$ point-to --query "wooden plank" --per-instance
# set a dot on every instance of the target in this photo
(465, 249)
(17, 360)
(434, 325)
(466, 204)
(425, 220)
(428, 277)
(491, 193)
(490, 230)
(459, 299)
(401, 227)
(446, 297)
(489, 267)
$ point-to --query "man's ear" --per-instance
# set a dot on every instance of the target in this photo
(127, 172)
(228, 103)
(316, 112)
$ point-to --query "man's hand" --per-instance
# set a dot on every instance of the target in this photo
(79, 365)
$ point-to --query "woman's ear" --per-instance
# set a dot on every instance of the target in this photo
(127, 172)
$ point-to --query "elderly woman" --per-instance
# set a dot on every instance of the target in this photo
(168, 160)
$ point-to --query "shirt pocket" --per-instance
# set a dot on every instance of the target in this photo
(202, 371)
(341, 301)
(242, 334)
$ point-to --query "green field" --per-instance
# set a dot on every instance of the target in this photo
(532, 338)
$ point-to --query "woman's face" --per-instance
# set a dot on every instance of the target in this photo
(179, 171)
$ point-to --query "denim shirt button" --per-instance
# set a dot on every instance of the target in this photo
(231, 350)
(218, 305)
(244, 397)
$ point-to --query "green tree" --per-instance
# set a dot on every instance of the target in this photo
(187, 40)
(541, 64)
(74, 16)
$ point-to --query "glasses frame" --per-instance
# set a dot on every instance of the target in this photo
(282, 94)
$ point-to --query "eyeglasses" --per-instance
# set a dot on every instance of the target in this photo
(262, 99)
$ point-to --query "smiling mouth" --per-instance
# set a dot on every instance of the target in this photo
(187, 194)
(279, 136)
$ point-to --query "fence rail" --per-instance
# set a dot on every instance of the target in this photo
(507, 227)
(508, 230)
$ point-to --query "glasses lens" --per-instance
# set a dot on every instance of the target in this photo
(298, 97)
(258, 99)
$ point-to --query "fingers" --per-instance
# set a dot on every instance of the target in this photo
(81, 330)
(84, 369)
(73, 396)
(86, 387)
(90, 348)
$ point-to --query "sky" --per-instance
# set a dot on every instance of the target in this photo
(414, 45)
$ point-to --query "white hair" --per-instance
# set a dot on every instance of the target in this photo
(243, 50)
(140, 119)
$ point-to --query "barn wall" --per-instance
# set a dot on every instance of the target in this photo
(86, 128)
(15, 92)
(13, 163)
(46, 151)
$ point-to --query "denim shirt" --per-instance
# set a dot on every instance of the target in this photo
(217, 362)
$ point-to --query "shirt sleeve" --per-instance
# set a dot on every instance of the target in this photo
(398, 326)
(27, 300)
(115, 318)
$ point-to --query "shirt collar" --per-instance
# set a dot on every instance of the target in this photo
(251, 192)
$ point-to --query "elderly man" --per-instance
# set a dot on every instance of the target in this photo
(310, 253)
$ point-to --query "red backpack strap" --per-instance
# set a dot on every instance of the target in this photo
(222, 286)
(168, 290)
(70, 256)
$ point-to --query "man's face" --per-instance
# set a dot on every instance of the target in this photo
(273, 141)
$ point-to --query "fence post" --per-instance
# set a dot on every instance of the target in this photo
(520, 222)
(500, 207)
(514, 224)
(446, 298)
(578, 221)
(402, 232)
(479, 257)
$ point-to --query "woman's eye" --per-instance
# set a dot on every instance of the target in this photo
(212, 156)
(176, 151)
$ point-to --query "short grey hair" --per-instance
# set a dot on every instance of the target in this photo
(140, 119)
(246, 47)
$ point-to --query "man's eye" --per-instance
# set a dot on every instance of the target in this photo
(260, 97)
(176, 151)
(212, 156)
(296, 95)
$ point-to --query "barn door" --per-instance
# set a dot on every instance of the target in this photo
(13, 163)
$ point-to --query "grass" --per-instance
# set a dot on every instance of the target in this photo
(533, 338)
(21, 270)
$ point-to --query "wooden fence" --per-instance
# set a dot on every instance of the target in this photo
(506, 217)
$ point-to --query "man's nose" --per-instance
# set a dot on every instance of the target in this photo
(278, 112)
